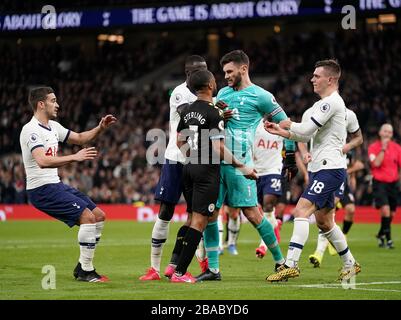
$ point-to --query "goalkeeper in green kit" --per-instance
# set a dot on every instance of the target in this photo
(248, 104)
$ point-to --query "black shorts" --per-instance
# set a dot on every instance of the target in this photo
(385, 194)
(285, 192)
(201, 187)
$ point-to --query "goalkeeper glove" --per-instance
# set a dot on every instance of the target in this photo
(290, 168)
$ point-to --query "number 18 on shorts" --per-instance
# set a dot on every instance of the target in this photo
(322, 186)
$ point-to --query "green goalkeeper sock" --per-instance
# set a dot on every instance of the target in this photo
(266, 232)
(211, 242)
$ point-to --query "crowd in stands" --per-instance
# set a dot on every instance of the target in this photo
(371, 86)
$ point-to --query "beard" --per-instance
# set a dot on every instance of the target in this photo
(237, 81)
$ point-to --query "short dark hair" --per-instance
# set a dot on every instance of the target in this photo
(194, 59)
(331, 65)
(199, 80)
(236, 56)
(38, 94)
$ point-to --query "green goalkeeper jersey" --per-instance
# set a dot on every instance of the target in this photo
(249, 105)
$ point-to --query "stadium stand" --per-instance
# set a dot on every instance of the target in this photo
(89, 86)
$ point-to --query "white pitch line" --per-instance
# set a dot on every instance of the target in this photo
(361, 289)
(340, 286)
(382, 290)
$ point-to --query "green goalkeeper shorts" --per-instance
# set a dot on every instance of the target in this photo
(235, 190)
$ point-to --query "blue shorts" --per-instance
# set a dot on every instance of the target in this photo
(169, 188)
(60, 201)
(322, 186)
(268, 184)
(340, 193)
(345, 194)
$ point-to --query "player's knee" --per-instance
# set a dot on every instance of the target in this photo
(214, 217)
(325, 226)
(166, 211)
(268, 207)
(234, 216)
(87, 217)
(233, 213)
(198, 226)
(297, 213)
(99, 215)
(189, 220)
(349, 213)
(254, 217)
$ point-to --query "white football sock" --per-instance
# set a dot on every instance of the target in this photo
(99, 229)
(200, 251)
(159, 237)
(271, 218)
(87, 243)
(338, 240)
(221, 231)
(322, 243)
(299, 236)
(234, 226)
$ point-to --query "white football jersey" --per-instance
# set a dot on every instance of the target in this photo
(180, 95)
(329, 114)
(352, 125)
(267, 152)
(34, 135)
(352, 122)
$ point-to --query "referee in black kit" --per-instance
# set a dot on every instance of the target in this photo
(201, 140)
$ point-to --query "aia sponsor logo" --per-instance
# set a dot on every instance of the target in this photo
(51, 151)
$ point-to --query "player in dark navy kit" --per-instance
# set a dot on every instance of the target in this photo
(39, 140)
(169, 188)
(201, 139)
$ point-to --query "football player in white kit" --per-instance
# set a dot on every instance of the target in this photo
(327, 126)
(344, 193)
(268, 163)
(169, 188)
(39, 141)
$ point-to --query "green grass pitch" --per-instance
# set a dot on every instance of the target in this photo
(124, 253)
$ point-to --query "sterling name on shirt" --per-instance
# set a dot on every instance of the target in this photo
(194, 115)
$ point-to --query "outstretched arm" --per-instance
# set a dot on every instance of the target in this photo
(279, 116)
(45, 161)
(87, 136)
(276, 129)
(300, 131)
